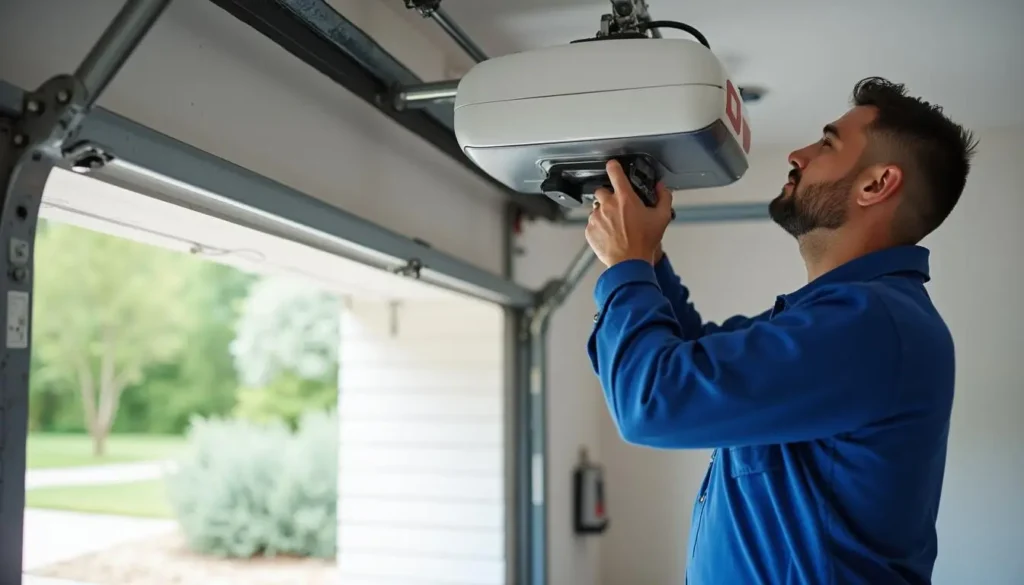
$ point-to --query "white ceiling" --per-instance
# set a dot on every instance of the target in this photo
(966, 56)
(83, 201)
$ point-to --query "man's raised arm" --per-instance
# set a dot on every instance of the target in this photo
(815, 370)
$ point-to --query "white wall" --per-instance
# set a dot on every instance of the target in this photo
(978, 276)
(421, 490)
(207, 79)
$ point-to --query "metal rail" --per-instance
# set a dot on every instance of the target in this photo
(34, 129)
(118, 42)
(458, 35)
(317, 34)
(426, 94)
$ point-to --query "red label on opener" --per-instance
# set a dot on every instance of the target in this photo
(734, 111)
(733, 107)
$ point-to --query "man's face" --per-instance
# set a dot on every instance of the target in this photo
(820, 186)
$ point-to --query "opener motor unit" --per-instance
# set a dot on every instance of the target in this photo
(547, 120)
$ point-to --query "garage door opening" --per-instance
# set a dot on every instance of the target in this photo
(213, 403)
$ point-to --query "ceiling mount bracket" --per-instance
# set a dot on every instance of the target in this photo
(424, 7)
(625, 18)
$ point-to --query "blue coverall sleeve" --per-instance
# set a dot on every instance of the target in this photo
(690, 320)
(815, 370)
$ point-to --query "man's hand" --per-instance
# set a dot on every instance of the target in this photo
(621, 227)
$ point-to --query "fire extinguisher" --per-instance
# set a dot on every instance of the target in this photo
(591, 514)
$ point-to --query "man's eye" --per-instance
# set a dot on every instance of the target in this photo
(826, 142)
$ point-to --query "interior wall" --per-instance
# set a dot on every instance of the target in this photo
(977, 276)
(205, 78)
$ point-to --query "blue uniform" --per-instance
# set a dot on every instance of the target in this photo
(828, 417)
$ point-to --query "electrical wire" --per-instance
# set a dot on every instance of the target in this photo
(645, 26)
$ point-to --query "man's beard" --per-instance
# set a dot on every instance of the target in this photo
(817, 206)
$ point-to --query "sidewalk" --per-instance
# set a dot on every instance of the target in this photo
(99, 474)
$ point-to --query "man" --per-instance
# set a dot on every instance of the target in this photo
(827, 414)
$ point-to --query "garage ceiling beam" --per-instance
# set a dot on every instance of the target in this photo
(324, 39)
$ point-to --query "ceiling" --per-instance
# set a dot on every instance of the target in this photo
(966, 56)
(86, 202)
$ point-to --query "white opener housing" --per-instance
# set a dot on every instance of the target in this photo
(589, 101)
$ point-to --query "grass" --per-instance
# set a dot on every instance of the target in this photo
(145, 499)
(56, 450)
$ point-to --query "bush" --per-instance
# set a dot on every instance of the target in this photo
(285, 398)
(246, 489)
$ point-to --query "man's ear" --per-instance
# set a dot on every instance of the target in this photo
(878, 183)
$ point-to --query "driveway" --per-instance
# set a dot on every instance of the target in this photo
(34, 580)
(53, 536)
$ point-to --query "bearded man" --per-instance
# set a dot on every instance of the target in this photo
(828, 414)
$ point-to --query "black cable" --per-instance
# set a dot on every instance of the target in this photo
(645, 26)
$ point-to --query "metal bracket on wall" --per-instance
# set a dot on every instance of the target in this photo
(33, 141)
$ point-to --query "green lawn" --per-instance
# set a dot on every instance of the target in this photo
(55, 450)
(143, 498)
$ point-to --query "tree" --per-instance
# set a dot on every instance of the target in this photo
(200, 380)
(106, 308)
(286, 349)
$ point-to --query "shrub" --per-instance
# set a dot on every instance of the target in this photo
(286, 398)
(246, 489)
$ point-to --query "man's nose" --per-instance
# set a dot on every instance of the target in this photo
(799, 158)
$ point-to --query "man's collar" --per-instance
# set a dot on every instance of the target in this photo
(900, 259)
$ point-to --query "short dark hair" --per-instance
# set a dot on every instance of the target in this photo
(933, 151)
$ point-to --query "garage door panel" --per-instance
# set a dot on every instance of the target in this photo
(474, 544)
(422, 513)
